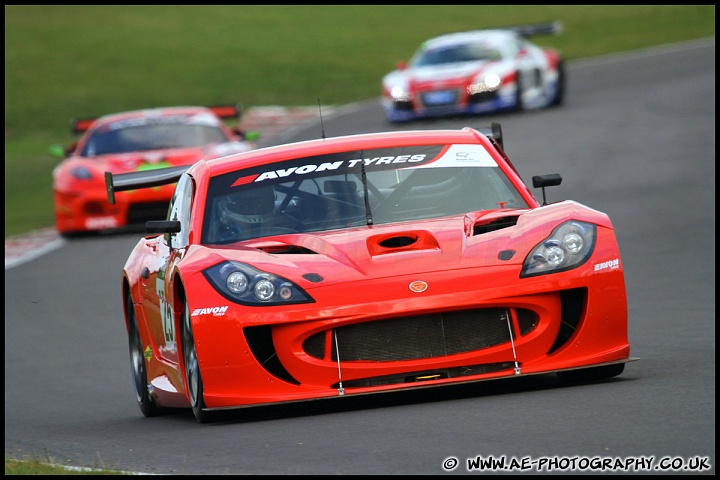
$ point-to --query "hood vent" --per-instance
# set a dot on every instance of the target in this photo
(280, 249)
(497, 224)
(401, 242)
(398, 242)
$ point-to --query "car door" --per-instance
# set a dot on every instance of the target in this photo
(170, 249)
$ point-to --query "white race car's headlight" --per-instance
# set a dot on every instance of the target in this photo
(399, 94)
(487, 83)
(244, 284)
(568, 247)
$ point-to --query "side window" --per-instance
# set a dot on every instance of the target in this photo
(179, 209)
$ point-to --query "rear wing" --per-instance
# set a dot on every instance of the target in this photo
(142, 179)
(82, 125)
(531, 30)
(227, 111)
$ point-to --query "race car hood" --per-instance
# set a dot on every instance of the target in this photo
(162, 158)
(446, 71)
(438, 73)
(372, 252)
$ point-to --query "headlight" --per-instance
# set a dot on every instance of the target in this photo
(237, 282)
(264, 290)
(399, 94)
(568, 247)
(488, 83)
(247, 285)
(81, 173)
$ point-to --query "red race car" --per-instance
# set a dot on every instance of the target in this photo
(133, 141)
(364, 264)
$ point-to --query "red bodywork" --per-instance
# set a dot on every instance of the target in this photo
(80, 199)
(273, 354)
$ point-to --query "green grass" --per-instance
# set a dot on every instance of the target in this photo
(36, 467)
(65, 61)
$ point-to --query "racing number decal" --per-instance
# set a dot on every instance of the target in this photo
(166, 315)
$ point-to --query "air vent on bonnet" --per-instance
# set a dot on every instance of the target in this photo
(398, 242)
(283, 248)
(497, 224)
(401, 242)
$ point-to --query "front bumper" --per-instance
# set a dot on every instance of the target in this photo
(89, 210)
(539, 325)
(462, 104)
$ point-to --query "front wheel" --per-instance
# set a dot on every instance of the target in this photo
(137, 364)
(193, 377)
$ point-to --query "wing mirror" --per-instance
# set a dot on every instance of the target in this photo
(542, 181)
(162, 226)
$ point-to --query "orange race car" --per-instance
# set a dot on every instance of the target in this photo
(363, 264)
(135, 141)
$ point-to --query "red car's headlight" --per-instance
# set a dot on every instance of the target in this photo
(568, 247)
(81, 173)
(247, 285)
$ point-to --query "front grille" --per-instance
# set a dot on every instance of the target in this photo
(96, 208)
(484, 96)
(417, 337)
(440, 98)
(403, 105)
(139, 213)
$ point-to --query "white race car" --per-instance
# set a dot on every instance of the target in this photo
(476, 72)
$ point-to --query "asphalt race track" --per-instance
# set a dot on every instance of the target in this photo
(635, 139)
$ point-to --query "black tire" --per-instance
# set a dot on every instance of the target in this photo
(193, 377)
(559, 96)
(137, 365)
(591, 374)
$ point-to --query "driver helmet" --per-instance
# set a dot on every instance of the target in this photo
(249, 206)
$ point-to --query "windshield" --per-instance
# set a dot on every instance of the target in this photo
(454, 53)
(151, 136)
(355, 188)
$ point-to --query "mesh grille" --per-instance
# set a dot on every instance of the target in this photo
(452, 98)
(483, 96)
(416, 337)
